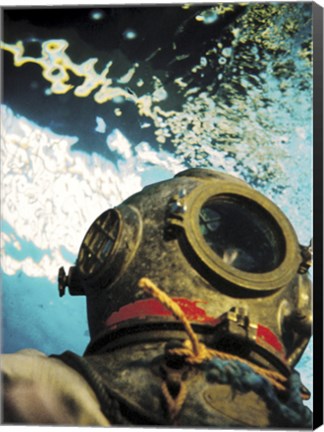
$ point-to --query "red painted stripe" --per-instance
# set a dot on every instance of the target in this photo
(266, 335)
(152, 307)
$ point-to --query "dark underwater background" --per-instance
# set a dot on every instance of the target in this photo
(99, 102)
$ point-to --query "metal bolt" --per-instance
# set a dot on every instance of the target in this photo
(62, 281)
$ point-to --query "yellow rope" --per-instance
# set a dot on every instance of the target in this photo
(148, 286)
(174, 404)
(196, 352)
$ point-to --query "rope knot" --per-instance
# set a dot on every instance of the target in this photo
(193, 354)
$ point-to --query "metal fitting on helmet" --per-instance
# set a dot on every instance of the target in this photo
(224, 252)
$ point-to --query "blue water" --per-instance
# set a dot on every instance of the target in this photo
(41, 320)
(27, 248)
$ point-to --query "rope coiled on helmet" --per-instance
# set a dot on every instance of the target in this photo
(226, 368)
(290, 413)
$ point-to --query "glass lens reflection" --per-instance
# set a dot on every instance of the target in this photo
(242, 233)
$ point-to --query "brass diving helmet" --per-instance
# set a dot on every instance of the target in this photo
(223, 251)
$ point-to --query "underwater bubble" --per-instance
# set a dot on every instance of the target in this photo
(97, 15)
(222, 60)
(130, 34)
(203, 61)
(129, 75)
(145, 125)
(101, 125)
(118, 112)
(118, 143)
(227, 52)
(207, 17)
(160, 94)
(33, 39)
(118, 99)
(52, 46)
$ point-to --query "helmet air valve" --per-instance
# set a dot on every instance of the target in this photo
(71, 281)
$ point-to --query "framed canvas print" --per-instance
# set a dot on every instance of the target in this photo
(161, 215)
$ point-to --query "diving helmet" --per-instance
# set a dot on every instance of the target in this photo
(225, 253)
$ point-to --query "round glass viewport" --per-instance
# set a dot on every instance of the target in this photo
(242, 233)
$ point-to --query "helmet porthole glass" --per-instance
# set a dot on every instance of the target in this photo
(242, 233)
(98, 242)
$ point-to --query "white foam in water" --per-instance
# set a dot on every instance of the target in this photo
(52, 194)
